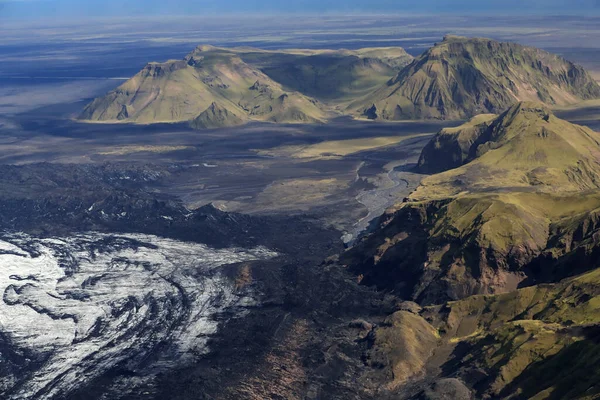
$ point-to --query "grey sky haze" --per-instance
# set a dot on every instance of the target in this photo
(97, 8)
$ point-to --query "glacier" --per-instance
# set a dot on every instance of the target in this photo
(75, 307)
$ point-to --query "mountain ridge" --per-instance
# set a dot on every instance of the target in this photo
(235, 80)
(455, 79)
(526, 148)
(180, 91)
(462, 77)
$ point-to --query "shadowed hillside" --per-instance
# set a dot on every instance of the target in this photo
(529, 180)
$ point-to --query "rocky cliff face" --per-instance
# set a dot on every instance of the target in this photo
(462, 77)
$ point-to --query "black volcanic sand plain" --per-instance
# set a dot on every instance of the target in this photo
(259, 167)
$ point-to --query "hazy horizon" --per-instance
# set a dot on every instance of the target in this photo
(35, 9)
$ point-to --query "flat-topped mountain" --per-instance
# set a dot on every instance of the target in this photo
(216, 87)
(462, 77)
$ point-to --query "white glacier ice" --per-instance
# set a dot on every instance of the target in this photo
(84, 304)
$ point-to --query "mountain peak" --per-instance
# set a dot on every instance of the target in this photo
(216, 116)
(205, 47)
(462, 77)
(530, 110)
(526, 147)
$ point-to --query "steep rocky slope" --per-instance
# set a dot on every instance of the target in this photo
(540, 342)
(216, 116)
(462, 77)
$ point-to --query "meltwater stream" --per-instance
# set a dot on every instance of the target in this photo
(75, 307)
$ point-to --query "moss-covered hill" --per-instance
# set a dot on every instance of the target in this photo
(526, 148)
(505, 266)
(216, 87)
(462, 77)
(334, 77)
(524, 190)
(178, 91)
(455, 79)
(540, 342)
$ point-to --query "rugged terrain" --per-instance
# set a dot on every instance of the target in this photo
(109, 287)
(527, 183)
(185, 90)
(119, 284)
(461, 77)
(472, 287)
(499, 253)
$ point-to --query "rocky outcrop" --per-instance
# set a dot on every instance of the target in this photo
(215, 116)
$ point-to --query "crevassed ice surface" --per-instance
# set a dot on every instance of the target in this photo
(74, 307)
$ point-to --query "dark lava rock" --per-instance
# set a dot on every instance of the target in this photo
(446, 389)
(410, 306)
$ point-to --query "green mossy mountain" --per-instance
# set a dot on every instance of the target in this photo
(216, 116)
(526, 147)
(246, 84)
(456, 79)
(178, 91)
(540, 342)
(462, 77)
(504, 268)
(336, 76)
(524, 183)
